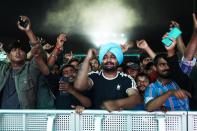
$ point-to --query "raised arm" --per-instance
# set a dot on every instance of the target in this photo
(177, 74)
(192, 46)
(179, 41)
(61, 39)
(27, 29)
(82, 81)
(36, 49)
(142, 44)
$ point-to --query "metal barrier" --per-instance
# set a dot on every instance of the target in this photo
(95, 120)
(192, 121)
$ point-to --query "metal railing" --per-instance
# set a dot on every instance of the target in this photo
(96, 120)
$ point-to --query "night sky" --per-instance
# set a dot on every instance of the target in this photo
(156, 15)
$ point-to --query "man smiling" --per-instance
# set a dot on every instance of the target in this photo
(111, 89)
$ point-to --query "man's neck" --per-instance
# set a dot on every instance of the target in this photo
(16, 65)
(110, 74)
(164, 81)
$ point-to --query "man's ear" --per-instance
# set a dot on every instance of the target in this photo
(154, 67)
(8, 55)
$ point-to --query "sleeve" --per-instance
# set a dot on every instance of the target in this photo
(132, 88)
(149, 94)
(92, 77)
(34, 71)
(187, 66)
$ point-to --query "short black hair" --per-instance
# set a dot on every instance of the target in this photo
(74, 59)
(158, 56)
(17, 44)
(142, 74)
(67, 65)
(149, 65)
(143, 56)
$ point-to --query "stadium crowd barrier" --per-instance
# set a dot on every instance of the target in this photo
(96, 120)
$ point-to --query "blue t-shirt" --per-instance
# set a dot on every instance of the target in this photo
(172, 103)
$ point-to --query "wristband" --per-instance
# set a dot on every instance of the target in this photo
(54, 55)
(58, 48)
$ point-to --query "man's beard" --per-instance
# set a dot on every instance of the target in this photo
(109, 69)
(168, 75)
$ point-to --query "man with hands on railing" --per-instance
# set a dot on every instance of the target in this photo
(111, 90)
(67, 96)
(166, 92)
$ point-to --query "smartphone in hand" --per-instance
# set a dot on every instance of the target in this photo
(173, 34)
(23, 23)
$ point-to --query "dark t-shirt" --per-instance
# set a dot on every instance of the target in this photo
(64, 101)
(193, 101)
(104, 89)
(9, 96)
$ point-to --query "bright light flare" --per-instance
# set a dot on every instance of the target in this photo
(101, 21)
(100, 38)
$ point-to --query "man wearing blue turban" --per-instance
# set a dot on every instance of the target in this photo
(110, 89)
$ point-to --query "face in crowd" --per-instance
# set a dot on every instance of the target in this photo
(17, 56)
(163, 69)
(75, 63)
(132, 72)
(142, 82)
(109, 62)
(94, 64)
(69, 71)
(146, 60)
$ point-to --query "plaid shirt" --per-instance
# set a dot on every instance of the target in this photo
(187, 66)
(172, 103)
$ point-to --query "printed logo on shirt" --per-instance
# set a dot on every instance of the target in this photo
(118, 87)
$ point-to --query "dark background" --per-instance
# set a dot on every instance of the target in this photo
(152, 31)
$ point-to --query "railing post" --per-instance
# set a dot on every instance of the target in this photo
(98, 122)
(161, 123)
(50, 121)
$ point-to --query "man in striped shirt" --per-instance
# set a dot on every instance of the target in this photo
(165, 93)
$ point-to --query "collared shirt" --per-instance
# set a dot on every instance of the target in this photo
(187, 66)
(172, 103)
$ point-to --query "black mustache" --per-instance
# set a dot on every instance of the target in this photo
(109, 63)
(166, 70)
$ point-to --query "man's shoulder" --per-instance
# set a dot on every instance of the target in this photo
(125, 76)
(154, 85)
(98, 73)
(4, 64)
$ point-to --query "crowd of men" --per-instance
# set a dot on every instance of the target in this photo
(32, 78)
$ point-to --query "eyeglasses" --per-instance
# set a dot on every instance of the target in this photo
(147, 59)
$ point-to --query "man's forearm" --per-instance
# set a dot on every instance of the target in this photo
(85, 101)
(191, 47)
(42, 65)
(157, 102)
(81, 82)
(54, 55)
(32, 37)
(180, 45)
(129, 102)
(150, 52)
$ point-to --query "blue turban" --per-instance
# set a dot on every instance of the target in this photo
(113, 48)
